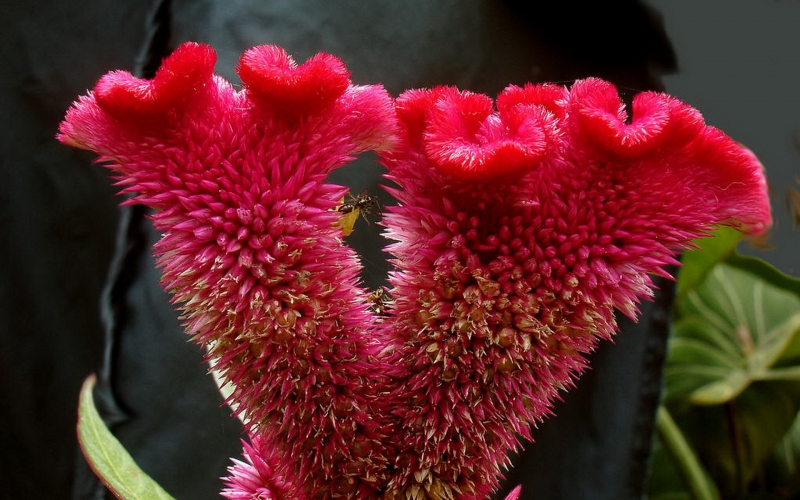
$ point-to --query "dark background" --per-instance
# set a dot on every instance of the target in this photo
(78, 293)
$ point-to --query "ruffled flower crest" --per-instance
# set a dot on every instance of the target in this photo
(521, 227)
(517, 234)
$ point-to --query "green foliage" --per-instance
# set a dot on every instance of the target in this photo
(106, 456)
(732, 378)
(685, 466)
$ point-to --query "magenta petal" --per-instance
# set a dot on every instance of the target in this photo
(184, 73)
(465, 139)
(551, 97)
(278, 84)
(514, 494)
(656, 118)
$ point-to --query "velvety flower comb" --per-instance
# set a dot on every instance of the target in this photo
(520, 227)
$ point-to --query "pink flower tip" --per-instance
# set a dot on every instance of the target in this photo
(256, 476)
(514, 494)
(275, 81)
(182, 75)
(656, 118)
(466, 139)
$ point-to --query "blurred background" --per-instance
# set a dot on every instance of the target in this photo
(78, 292)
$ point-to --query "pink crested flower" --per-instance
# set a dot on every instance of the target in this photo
(522, 225)
(250, 248)
(518, 233)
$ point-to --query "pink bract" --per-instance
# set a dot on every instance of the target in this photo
(520, 229)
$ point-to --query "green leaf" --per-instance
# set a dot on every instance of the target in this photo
(759, 363)
(697, 362)
(723, 390)
(778, 346)
(107, 457)
(789, 374)
(765, 271)
(761, 417)
(782, 471)
(697, 263)
(733, 372)
(732, 330)
(734, 439)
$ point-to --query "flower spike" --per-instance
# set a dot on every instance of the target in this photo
(520, 229)
(250, 251)
(503, 283)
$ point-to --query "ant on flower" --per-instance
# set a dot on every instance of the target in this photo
(363, 204)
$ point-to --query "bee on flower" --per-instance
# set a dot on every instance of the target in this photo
(364, 204)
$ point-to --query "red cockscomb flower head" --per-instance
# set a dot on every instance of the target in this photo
(250, 250)
(518, 233)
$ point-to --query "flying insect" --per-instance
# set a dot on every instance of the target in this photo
(363, 205)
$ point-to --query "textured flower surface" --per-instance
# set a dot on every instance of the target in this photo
(250, 250)
(522, 225)
(518, 233)
(256, 477)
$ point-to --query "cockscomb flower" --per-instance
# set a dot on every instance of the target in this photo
(519, 231)
(250, 250)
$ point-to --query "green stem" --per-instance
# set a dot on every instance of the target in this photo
(697, 479)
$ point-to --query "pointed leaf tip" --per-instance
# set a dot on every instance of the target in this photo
(107, 457)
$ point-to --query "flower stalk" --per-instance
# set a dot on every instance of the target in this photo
(522, 225)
